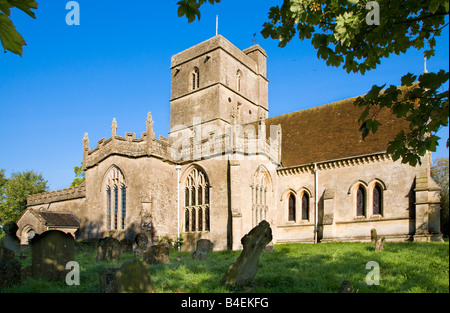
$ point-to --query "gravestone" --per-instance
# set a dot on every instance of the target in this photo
(10, 273)
(133, 277)
(106, 278)
(126, 245)
(10, 239)
(373, 235)
(157, 254)
(141, 244)
(243, 270)
(379, 244)
(50, 253)
(346, 287)
(204, 246)
(108, 249)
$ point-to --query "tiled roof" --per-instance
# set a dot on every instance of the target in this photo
(331, 132)
(60, 219)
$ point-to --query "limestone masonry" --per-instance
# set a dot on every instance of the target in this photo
(226, 166)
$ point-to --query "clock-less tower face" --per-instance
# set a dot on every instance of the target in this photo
(215, 84)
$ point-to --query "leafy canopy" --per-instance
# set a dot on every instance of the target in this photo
(339, 31)
(10, 38)
(16, 189)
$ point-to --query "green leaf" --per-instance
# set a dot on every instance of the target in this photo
(434, 6)
(25, 6)
(5, 6)
(10, 38)
(408, 79)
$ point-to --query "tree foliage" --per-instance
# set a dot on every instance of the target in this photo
(16, 189)
(79, 176)
(340, 32)
(440, 174)
(10, 38)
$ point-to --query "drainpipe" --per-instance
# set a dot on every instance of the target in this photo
(178, 168)
(316, 203)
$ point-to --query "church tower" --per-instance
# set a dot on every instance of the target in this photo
(216, 84)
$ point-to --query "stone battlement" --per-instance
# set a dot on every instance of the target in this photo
(58, 195)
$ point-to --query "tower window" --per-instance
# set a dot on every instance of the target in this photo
(195, 79)
(238, 80)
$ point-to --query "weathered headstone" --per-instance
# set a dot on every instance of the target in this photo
(204, 246)
(141, 244)
(346, 287)
(10, 273)
(106, 279)
(108, 249)
(126, 245)
(133, 277)
(243, 270)
(373, 235)
(379, 244)
(157, 254)
(50, 252)
(10, 239)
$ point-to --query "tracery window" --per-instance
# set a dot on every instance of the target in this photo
(377, 200)
(260, 188)
(291, 208)
(197, 207)
(305, 206)
(116, 195)
(360, 202)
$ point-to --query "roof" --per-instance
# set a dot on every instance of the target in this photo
(53, 219)
(331, 132)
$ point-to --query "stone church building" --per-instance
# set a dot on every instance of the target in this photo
(226, 165)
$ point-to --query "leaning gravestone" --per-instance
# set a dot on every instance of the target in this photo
(244, 269)
(157, 254)
(133, 277)
(379, 244)
(50, 253)
(108, 249)
(10, 239)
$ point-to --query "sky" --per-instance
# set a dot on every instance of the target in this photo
(116, 64)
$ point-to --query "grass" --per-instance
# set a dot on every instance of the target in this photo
(290, 268)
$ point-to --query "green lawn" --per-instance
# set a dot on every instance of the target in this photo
(290, 268)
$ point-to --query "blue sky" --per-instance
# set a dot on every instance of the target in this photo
(115, 64)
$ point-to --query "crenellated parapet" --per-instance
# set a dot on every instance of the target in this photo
(192, 144)
(58, 195)
(128, 146)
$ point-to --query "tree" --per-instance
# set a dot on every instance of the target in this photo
(16, 190)
(79, 176)
(354, 35)
(10, 38)
(439, 172)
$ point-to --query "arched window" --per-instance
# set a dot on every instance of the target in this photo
(238, 80)
(377, 200)
(197, 207)
(195, 79)
(124, 205)
(360, 202)
(116, 195)
(291, 208)
(260, 188)
(305, 206)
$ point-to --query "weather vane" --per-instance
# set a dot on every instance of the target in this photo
(254, 40)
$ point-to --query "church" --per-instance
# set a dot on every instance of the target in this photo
(225, 166)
